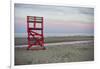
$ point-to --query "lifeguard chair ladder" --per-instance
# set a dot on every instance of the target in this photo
(35, 31)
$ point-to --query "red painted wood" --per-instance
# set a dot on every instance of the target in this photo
(32, 32)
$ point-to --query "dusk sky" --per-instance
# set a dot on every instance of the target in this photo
(57, 19)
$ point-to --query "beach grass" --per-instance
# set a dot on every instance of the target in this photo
(54, 39)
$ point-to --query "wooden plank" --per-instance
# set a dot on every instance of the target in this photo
(35, 28)
(35, 21)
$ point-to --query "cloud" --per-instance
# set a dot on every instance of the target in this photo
(56, 18)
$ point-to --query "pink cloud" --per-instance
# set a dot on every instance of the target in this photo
(69, 24)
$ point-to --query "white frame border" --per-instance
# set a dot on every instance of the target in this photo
(12, 28)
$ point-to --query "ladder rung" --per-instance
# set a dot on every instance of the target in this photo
(35, 28)
(35, 21)
(38, 17)
(35, 38)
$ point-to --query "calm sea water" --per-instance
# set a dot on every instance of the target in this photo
(56, 34)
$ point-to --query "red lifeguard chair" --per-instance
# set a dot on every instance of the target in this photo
(35, 31)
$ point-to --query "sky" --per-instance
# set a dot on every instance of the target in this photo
(57, 19)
